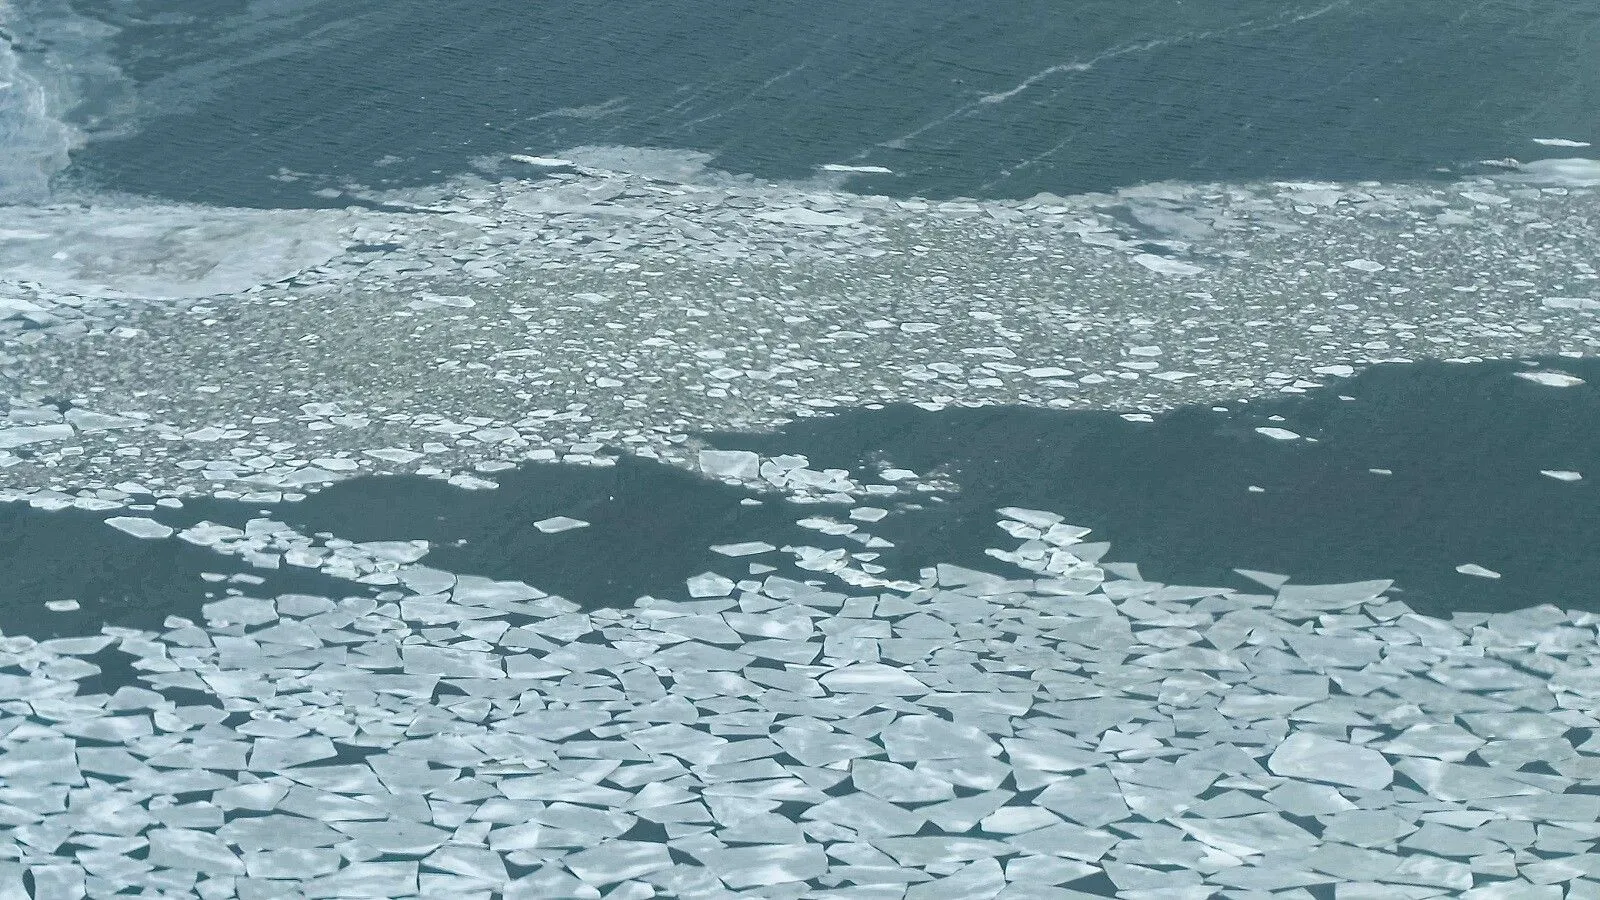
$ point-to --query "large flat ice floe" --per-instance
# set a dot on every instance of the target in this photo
(1063, 729)
(163, 253)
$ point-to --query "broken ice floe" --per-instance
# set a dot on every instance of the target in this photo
(508, 743)
(678, 246)
(558, 524)
(1551, 379)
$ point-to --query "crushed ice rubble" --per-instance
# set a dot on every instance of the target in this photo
(628, 298)
(1073, 732)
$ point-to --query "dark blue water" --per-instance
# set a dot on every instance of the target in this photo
(1082, 95)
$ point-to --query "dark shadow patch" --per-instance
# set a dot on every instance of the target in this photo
(1465, 443)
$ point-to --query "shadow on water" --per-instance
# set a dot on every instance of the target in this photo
(1466, 445)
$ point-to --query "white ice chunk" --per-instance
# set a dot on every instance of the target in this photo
(865, 170)
(140, 527)
(799, 215)
(1166, 266)
(546, 162)
(1572, 172)
(1038, 518)
(618, 860)
(742, 867)
(1551, 379)
(1587, 304)
(710, 584)
(89, 421)
(1364, 265)
(1477, 570)
(167, 252)
(1278, 434)
(730, 464)
(1562, 474)
(32, 434)
(1313, 757)
(1560, 142)
(558, 524)
(397, 455)
(747, 548)
(917, 737)
(873, 678)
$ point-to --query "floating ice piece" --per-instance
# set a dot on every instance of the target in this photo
(865, 170)
(1572, 172)
(1166, 266)
(557, 524)
(140, 527)
(1270, 579)
(873, 678)
(799, 215)
(1364, 265)
(730, 463)
(89, 421)
(167, 252)
(1587, 304)
(618, 860)
(33, 434)
(1477, 570)
(1316, 758)
(747, 548)
(710, 584)
(1551, 379)
(1338, 371)
(397, 455)
(1048, 372)
(897, 783)
(918, 737)
(199, 851)
(1562, 474)
(547, 162)
(1560, 142)
(1330, 596)
(741, 867)
(61, 605)
(1038, 518)
(1278, 434)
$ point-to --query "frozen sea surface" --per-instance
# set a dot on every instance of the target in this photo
(1077, 731)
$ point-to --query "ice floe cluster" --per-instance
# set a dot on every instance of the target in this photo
(1070, 731)
(623, 298)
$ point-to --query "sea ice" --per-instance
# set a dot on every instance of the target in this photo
(1310, 756)
(1280, 434)
(558, 524)
(1364, 265)
(1476, 570)
(140, 527)
(740, 464)
(1562, 474)
(741, 867)
(1166, 266)
(1551, 379)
